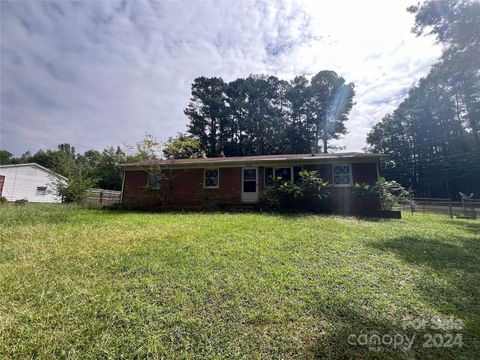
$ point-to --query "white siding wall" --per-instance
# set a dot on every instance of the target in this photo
(22, 182)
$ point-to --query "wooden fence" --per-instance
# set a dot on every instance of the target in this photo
(103, 197)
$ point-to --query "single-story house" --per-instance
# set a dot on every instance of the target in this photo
(31, 182)
(240, 180)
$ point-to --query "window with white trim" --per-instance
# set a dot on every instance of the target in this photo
(41, 190)
(210, 179)
(285, 173)
(154, 181)
(342, 175)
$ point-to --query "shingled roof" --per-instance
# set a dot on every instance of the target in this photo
(263, 160)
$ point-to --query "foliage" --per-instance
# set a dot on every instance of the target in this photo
(331, 102)
(5, 157)
(148, 148)
(454, 23)
(261, 115)
(183, 146)
(433, 136)
(309, 193)
(383, 195)
(3, 200)
(106, 169)
(236, 286)
(365, 199)
(101, 166)
(391, 193)
(207, 113)
(75, 189)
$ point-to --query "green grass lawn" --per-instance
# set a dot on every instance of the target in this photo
(82, 283)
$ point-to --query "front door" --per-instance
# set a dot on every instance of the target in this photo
(250, 184)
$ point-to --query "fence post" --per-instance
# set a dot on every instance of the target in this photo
(101, 197)
(450, 211)
(474, 215)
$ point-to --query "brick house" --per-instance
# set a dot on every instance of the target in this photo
(239, 180)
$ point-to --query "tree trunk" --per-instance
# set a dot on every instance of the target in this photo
(315, 147)
(325, 136)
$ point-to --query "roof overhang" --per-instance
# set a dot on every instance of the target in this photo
(258, 162)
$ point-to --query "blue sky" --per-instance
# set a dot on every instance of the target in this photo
(102, 73)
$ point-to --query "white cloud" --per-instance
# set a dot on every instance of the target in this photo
(100, 73)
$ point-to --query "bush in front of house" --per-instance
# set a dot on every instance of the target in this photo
(309, 193)
(382, 196)
(365, 199)
(392, 193)
(3, 200)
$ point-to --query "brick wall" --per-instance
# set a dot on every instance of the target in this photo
(341, 197)
(186, 186)
(134, 192)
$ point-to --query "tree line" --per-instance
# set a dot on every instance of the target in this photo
(100, 169)
(261, 115)
(433, 137)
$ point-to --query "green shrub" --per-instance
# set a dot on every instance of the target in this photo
(75, 189)
(309, 193)
(391, 193)
(383, 195)
(3, 200)
(365, 199)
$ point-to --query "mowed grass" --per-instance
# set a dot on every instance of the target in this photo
(87, 284)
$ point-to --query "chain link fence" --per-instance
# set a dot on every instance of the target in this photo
(465, 209)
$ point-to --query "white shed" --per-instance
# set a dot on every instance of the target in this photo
(31, 182)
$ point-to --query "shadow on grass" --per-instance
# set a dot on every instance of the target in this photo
(469, 225)
(464, 254)
(452, 285)
(361, 335)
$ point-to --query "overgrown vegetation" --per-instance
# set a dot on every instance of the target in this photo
(392, 193)
(309, 193)
(369, 199)
(365, 199)
(75, 189)
(87, 284)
